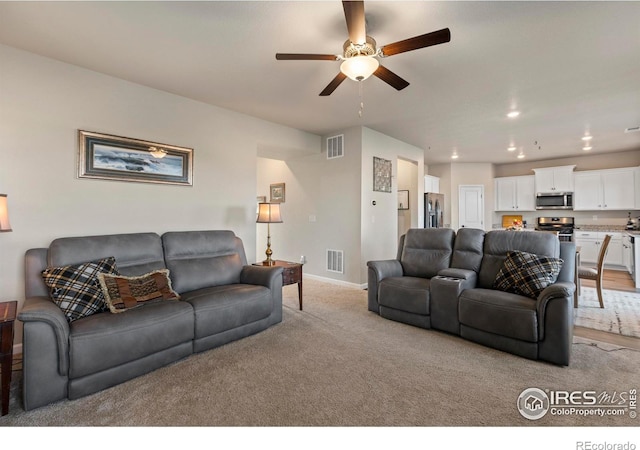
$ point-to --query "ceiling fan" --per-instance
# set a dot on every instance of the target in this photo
(360, 53)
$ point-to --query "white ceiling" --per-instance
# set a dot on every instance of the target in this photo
(570, 67)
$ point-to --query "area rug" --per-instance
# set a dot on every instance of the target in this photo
(620, 315)
(336, 364)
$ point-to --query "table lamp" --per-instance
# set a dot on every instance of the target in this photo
(268, 213)
(4, 214)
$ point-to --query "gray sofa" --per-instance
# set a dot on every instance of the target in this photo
(222, 299)
(444, 280)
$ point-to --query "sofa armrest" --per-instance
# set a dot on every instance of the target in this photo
(260, 275)
(445, 289)
(562, 289)
(378, 271)
(385, 269)
(555, 323)
(43, 310)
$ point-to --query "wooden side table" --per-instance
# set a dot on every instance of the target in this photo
(291, 273)
(7, 318)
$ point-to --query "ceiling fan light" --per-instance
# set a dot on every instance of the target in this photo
(359, 68)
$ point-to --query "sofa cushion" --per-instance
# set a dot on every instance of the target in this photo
(135, 253)
(498, 312)
(221, 308)
(527, 274)
(122, 293)
(498, 242)
(410, 294)
(426, 251)
(75, 288)
(468, 249)
(201, 259)
(105, 341)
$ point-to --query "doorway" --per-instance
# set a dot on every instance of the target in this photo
(407, 195)
(471, 206)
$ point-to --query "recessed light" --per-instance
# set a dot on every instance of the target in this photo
(587, 147)
(454, 156)
(521, 155)
(512, 149)
(513, 114)
(587, 138)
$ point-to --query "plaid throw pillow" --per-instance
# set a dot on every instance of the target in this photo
(527, 274)
(75, 288)
(122, 293)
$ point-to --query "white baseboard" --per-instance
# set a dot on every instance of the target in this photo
(338, 282)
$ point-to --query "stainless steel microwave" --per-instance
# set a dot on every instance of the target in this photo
(555, 200)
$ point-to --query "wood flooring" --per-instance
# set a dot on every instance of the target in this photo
(616, 280)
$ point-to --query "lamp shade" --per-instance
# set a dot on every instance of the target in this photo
(360, 67)
(269, 213)
(4, 214)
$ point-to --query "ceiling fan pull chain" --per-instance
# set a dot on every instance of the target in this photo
(360, 93)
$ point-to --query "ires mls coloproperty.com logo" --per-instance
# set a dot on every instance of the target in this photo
(534, 403)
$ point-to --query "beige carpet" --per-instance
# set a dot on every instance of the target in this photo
(337, 364)
(620, 315)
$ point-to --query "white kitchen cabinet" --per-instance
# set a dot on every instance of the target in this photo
(515, 193)
(554, 179)
(627, 253)
(610, 189)
(590, 243)
(431, 184)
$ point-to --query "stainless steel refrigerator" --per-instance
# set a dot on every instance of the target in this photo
(433, 210)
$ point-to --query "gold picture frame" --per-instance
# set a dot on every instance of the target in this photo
(277, 193)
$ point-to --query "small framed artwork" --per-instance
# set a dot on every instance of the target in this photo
(109, 157)
(277, 193)
(381, 175)
(403, 199)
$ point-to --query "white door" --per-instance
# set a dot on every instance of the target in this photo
(471, 206)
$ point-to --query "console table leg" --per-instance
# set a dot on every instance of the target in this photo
(300, 293)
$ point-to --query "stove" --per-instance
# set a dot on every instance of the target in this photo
(562, 225)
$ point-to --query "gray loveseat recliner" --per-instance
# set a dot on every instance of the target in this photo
(444, 280)
(222, 299)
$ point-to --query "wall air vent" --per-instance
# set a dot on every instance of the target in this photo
(335, 147)
(632, 129)
(335, 261)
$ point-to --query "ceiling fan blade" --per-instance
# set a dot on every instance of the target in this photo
(354, 14)
(391, 78)
(333, 85)
(305, 56)
(414, 43)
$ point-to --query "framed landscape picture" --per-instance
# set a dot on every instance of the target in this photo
(109, 157)
(277, 193)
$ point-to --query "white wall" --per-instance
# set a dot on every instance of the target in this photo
(338, 194)
(43, 103)
(408, 180)
(329, 191)
(379, 232)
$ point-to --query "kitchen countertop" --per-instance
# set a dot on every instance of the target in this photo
(605, 228)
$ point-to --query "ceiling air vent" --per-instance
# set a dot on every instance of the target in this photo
(632, 129)
(335, 261)
(335, 147)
